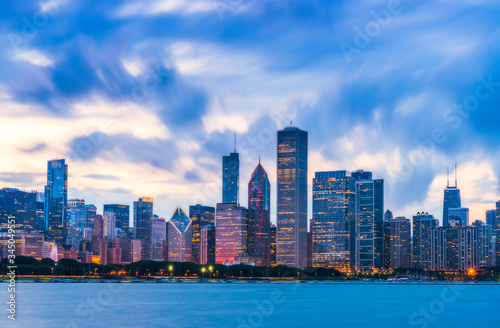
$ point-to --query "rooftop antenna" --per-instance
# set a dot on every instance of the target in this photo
(456, 180)
(291, 123)
(235, 142)
(447, 177)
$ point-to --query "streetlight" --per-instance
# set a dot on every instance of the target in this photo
(203, 273)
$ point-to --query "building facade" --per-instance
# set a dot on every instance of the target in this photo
(203, 217)
(231, 178)
(423, 224)
(291, 239)
(400, 237)
(230, 232)
(180, 237)
(56, 200)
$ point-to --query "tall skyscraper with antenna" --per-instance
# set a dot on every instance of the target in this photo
(231, 177)
(451, 197)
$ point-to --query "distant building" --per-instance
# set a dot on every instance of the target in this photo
(180, 237)
(388, 216)
(400, 237)
(460, 214)
(83, 215)
(20, 205)
(203, 217)
(231, 178)
(259, 217)
(451, 200)
(98, 226)
(72, 204)
(455, 248)
(158, 238)
(122, 216)
(207, 245)
(491, 217)
(143, 212)
(109, 225)
(291, 239)
(333, 220)
(230, 232)
(369, 221)
(56, 200)
(423, 223)
(486, 243)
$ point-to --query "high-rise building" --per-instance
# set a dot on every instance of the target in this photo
(207, 245)
(20, 205)
(451, 199)
(122, 216)
(291, 239)
(486, 243)
(56, 200)
(98, 230)
(369, 221)
(109, 225)
(454, 248)
(388, 216)
(158, 238)
(423, 223)
(72, 205)
(143, 212)
(202, 217)
(259, 217)
(491, 217)
(460, 214)
(230, 232)
(231, 178)
(180, 237)
(400, 230)
(84, 215)
(333, 220)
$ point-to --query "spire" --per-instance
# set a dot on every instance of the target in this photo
(456, 179)
(447, 177)
(259, 159)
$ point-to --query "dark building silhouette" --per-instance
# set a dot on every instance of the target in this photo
(122, 216)
(259, 217)
(291, 241)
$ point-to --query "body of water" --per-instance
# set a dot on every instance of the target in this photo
(244, 305)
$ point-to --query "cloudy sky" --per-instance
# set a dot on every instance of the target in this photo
(144, 98)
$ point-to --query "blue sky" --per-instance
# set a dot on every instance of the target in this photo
(144, 98)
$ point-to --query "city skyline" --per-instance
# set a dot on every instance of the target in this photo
(200, 89)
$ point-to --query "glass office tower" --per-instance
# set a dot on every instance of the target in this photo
(56, 200)
(291, 236)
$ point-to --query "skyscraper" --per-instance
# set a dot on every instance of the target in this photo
(230, 232)
(158, 238)
(109, 225)
(460, 214)
(451, 199)
(400, 230)
(202, 217)
(231, 177)
(369, 221)
(491, 217)
(486, 243)
(388, 216)
(333, 218)
(143, 212)
(291, 242)
(56, 200)
(259, 216)
(22, 205)
(122, 216)
(454, 248)
(423, 223)
(180, 237)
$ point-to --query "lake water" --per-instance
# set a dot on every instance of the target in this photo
(243, 305)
